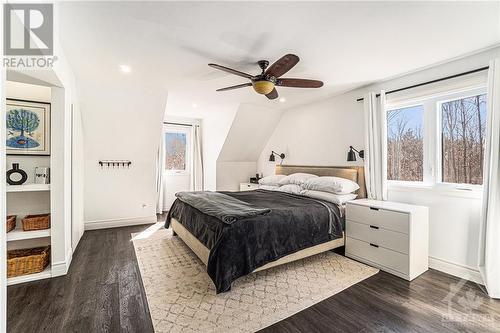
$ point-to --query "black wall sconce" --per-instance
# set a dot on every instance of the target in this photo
(351, 154)
(272, 159)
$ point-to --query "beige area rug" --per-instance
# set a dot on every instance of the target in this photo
(182, 297)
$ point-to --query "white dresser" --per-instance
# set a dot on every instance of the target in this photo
(389, 235)
(248, 186)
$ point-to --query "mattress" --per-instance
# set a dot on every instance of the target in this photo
(293, 224)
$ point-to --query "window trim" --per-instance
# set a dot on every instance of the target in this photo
(179, 129)
(432, 134)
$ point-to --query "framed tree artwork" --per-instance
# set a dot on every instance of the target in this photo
(28, 127)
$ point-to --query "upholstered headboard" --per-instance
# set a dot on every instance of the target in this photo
(354, 173)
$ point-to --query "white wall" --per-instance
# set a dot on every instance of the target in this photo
(214, 132)
(78, 159)
(320, 134)
(231, 174)
(250, 130)
(121, 129)
(316, 134)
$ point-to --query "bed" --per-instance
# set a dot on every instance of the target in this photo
(295, 227)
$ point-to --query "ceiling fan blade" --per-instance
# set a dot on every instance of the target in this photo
(283, 65)
(236, 86)
(230, 70)
(273, 94)
(299, 83)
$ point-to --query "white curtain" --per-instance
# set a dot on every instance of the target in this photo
(160, 167)
(197, 179)
(489, 245)
(375, 146)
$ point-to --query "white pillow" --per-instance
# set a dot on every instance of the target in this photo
(272, 180)
(290, 188)
(296, 178)
(338, 199)
(269, 187)
(335, 185)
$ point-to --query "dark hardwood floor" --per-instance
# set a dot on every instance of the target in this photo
(103, 292)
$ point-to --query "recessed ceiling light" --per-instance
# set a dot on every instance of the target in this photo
(125, 69)
(194, 105)
(282, 99)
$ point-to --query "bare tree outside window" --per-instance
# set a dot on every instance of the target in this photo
(463, 124)
(405, 144)
(175, 151)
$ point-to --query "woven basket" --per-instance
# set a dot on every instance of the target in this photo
(11, 222)
(27, 261)
(36, 222)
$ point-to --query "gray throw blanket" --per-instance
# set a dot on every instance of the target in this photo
(221, 206)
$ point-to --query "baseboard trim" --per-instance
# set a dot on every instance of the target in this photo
(461, 271)
(116, 223)
(61, 267)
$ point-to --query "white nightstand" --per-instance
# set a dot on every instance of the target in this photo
(389, 235)
(248, 186)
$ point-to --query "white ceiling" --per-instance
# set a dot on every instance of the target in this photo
(169, 44)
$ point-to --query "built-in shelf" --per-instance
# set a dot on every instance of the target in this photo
(19, 234)
(28, 188)
(30, 277)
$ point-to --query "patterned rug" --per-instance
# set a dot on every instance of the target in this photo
(182, 298)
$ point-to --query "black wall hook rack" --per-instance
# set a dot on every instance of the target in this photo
(115, 164)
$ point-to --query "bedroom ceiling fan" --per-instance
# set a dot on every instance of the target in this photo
(266, 82)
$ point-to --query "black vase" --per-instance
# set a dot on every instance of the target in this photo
(15, 169)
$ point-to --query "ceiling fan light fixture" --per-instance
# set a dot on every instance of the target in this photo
(263, 87)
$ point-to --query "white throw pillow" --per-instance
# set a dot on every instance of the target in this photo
(272, 180)
(296, 178)
(334, 185)
(290, 188)
(338, 199)
(269, 187)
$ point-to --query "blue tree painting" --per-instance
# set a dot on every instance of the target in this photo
(23, 122)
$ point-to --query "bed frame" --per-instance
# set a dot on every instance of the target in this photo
(354, 173)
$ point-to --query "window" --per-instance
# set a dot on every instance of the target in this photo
(438, 140)
(405, 144)
(177, 149)
(463, 124)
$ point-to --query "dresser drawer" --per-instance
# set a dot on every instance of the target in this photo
(386, 238)
(248, 186)
(382, 218)
(378, 255)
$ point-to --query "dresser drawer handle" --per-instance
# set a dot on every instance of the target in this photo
(374, 227)
(374, 245)
(373, 208)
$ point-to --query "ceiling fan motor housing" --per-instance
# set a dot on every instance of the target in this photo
(263, 86)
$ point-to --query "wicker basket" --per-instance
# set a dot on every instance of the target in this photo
(36, 222)
(11, 222)
(27, 261)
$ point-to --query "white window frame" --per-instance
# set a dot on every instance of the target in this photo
(171, 128)
(432, 168)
